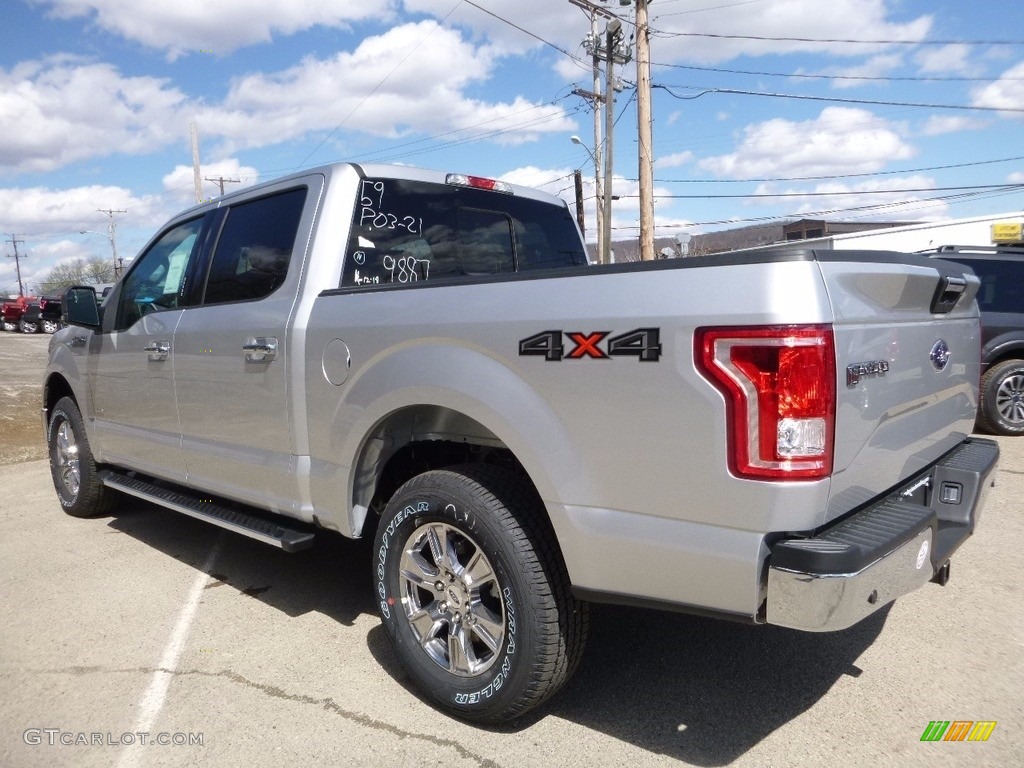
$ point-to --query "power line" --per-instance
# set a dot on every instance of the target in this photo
(860, 208)
(802, 97)
(773, 195)
(829, 177)
(765, 38)
(916, 79)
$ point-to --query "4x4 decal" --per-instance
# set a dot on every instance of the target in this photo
(641, 343)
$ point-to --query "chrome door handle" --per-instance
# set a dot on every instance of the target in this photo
(260, 349)
(158, 350)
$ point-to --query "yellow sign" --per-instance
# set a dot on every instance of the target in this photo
(1007, 232)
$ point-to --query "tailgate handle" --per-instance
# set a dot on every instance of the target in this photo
(948, 294)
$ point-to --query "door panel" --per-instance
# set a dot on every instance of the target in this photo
(231, 356)
(133, 389)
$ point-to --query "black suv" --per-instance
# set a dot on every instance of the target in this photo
(1001, 299)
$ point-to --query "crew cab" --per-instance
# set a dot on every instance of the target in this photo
(427, 359)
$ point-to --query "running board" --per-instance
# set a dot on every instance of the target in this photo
(249, 525)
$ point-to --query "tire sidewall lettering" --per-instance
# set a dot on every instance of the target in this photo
(421, 511)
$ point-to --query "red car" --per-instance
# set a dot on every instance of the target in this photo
(13, 311)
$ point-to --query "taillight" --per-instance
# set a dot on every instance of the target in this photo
(779, 384)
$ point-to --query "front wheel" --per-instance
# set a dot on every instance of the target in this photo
(74, 471)
(10, 327)
(27, 327)
(51, 326)
(1002, 398)
(473, 592)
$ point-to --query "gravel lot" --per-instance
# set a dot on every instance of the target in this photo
(22, 360)
(150, 622)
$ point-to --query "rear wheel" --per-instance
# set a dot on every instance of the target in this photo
(474, 594)
(1002, 398)
(74, 471)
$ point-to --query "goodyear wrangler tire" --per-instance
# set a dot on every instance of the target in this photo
(473, 592)
(72, 466)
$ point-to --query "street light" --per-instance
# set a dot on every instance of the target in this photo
(598, 196)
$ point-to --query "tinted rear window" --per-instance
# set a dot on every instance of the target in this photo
(412, 231)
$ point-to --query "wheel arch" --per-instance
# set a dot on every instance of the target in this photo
(417, 411)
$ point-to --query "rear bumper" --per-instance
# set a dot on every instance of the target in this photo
(894, 545)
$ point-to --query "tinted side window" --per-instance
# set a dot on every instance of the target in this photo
(1002, 284)
(157, 279)
(255, 248)
(411, 231)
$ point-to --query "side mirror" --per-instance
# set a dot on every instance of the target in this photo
(80, 307)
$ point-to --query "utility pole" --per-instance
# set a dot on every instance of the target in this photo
(17, 261)
(595, 47)
(196, 173)
(578, 179)
(220, 181)
(643, 119)
(111, 231)
(611, 31)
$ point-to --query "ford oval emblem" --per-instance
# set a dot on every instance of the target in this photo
(939, 355)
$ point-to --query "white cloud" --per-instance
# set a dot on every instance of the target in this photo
(60, 110)
(839, 140)
(46, 212)
(937, 125)
(674, 160)
(958, 58)
(888, 199)
(876, 66)
(1017, 177)
(190, 26)
(182, 178)
(1006, 92)
(51, 222)
(410, 80)
(848, 19)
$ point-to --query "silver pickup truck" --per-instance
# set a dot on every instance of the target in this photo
(428, 359)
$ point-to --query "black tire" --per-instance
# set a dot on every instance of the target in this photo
(1001, 409)
(72, 466)
(51, 326)
(505, 632)
(27, 327)
(10, 327)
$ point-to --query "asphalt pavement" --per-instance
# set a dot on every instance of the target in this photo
(215, 650)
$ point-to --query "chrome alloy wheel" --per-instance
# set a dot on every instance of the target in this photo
(67, 459)
(1010, 399)
(452, 599)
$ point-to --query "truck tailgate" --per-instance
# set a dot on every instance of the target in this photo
(907, 362)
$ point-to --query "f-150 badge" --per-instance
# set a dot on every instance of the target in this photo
(856, 371)
(642, 343)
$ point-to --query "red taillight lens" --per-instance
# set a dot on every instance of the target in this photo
(780, 392)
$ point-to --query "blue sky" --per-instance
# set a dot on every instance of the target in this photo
(96, 98)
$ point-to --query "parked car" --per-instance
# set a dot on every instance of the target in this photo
(42, 314)
(12, 312)
(1001, 300)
